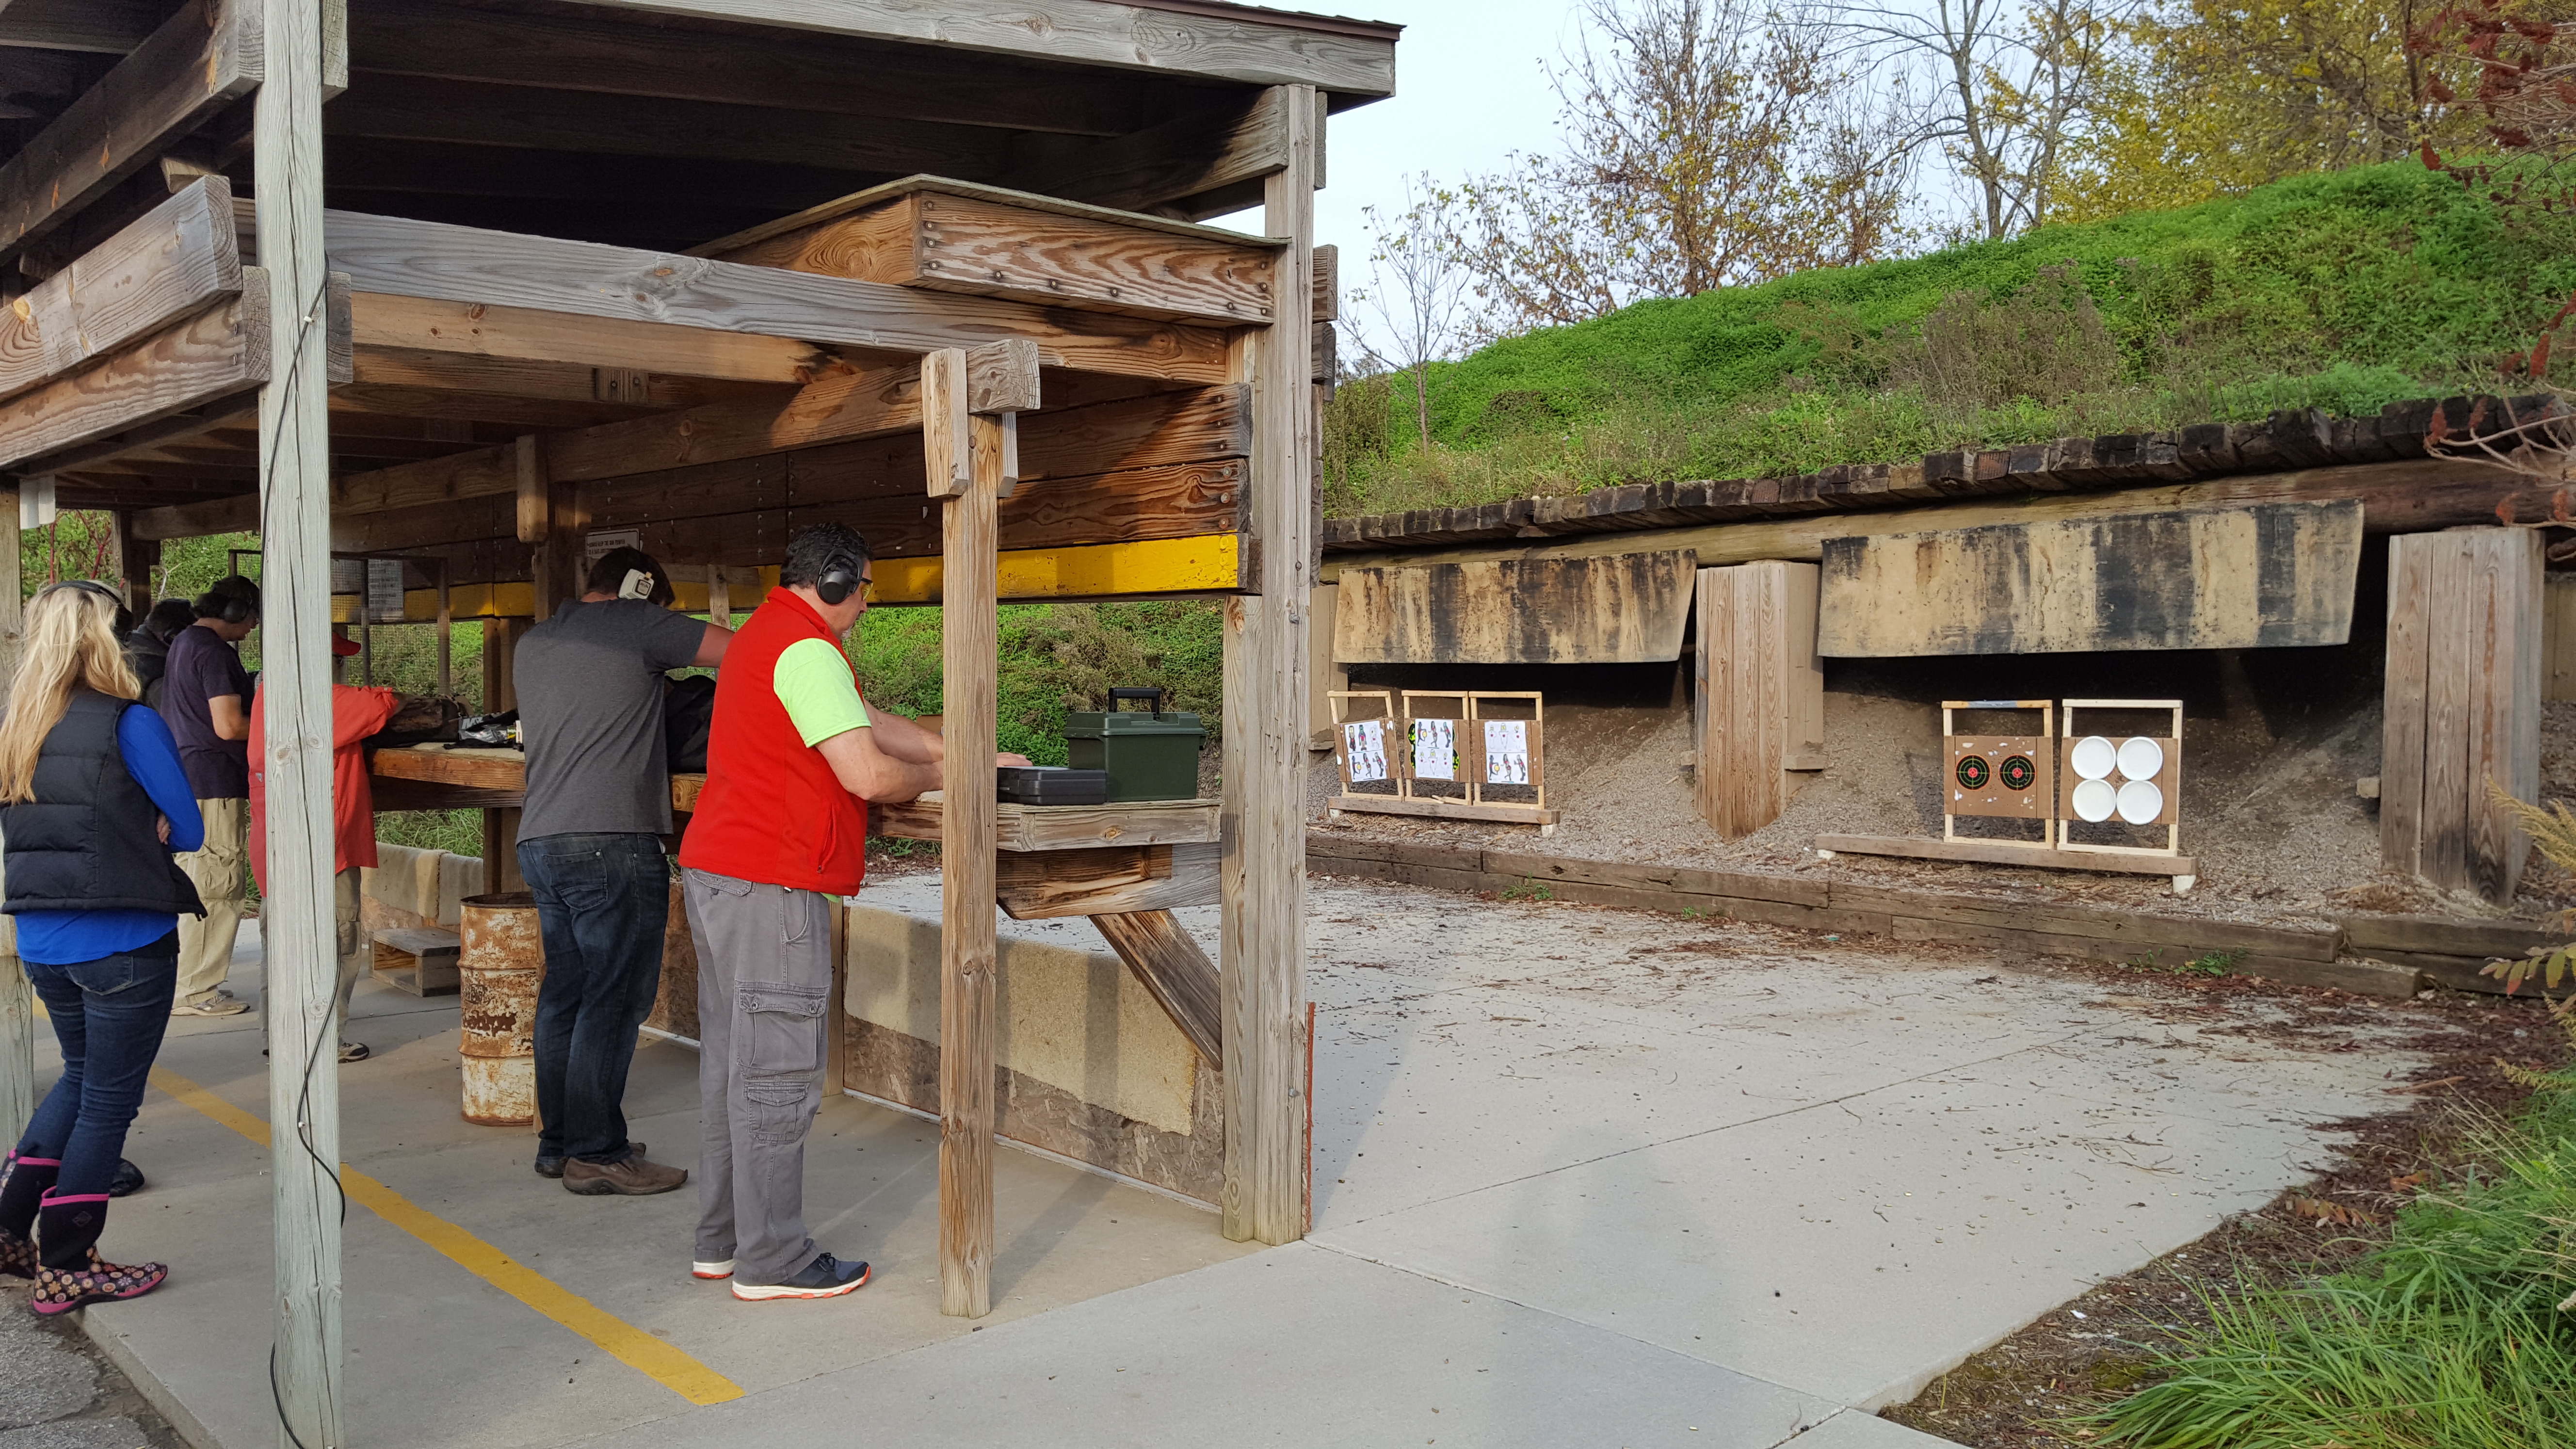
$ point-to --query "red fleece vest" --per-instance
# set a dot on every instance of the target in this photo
(772, 811)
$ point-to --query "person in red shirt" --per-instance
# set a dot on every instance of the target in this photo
(356, 712)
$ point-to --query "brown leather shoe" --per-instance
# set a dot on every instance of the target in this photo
(635, 1177)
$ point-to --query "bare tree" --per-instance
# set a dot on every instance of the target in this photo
(1708, 143)
(1417, 292)
(2007, 92)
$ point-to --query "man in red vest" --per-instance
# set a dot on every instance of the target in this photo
(779, 835)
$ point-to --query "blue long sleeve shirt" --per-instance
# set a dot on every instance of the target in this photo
(65, 938)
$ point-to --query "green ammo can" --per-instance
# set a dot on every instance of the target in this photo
(1148, 756)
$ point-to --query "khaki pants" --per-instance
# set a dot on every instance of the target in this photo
(355, 947)
(220, 873)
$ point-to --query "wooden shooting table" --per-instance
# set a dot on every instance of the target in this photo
(1126, 866)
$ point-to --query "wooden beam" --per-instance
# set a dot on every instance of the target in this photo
(296, 922)
(469, 328)
(2409, 496)
(967, 989)
(107, 27)
(954, 237)
(17, 997)
(2463, 693)
(1052, 884)
(1264, 873)
(613, 54)
(418, 370)
(1353, 57)
(196, 63)
(1759, 693)
(461, 264)
(1210, 151)
(1173, 968)
(529, 487)
(1328, 284)
(460, 113)
(169, 266)
(220, 353)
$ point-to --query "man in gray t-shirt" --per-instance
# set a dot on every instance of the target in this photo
(590, 683)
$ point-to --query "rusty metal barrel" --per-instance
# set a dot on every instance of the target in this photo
(498, 971)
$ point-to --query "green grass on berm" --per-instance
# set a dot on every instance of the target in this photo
(2344, 291)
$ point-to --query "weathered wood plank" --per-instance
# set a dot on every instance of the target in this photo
(612, 54)
(1063, 827)
(967, 988)
(201, 59)
(219, 353)
(107, 27)
(1760, 704)
(1046, 885)
(1265, 758)
(1554, 611)
(480, 330)
(177, 260)
(2409, 496)
(1206, 157)
(1352, 57)
(2269, 576)
(468, 113)
(2005, 852)
(951, 236)
(465, 264)
(1173, 968)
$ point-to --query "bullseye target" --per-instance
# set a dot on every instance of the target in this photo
(1972, 772)
(2018, 773)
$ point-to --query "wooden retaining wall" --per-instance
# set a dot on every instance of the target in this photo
(2372, 955)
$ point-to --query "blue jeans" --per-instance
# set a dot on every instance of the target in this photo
(109, 1015)
(603, 903)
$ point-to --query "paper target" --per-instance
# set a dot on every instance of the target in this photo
(2018, 772)
(1972, 772)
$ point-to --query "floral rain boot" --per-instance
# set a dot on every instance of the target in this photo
(72, 1273)
(23, 1184)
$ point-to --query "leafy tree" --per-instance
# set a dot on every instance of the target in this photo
(2208, 98)
(1707, 144)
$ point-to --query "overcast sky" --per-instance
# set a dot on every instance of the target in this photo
(1468, 89)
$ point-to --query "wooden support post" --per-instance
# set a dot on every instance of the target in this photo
(719, 597)
(1263, 879)
(296, 915)
(1758, 694)
(446, 633)
(2462, 695)
(500, 692)
(17, 998)
(970, 653)
(134, 560)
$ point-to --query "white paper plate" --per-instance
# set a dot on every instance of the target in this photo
(2093, 757)
(2141, 758)
(2095, 799)
(2140, 802)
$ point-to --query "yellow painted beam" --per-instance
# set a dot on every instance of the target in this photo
(1206, 563)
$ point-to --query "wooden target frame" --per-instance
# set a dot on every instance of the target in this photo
(1400, 711)
(2167, 780)
(1977, 770)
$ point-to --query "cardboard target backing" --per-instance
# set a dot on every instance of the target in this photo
(2167, 779)
(2013, 776)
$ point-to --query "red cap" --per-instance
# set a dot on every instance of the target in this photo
(344, 646)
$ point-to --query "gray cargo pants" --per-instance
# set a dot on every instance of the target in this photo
(764, 979)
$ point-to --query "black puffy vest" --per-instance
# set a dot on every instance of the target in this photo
(88, 841)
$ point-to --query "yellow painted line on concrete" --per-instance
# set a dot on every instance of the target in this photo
(639, 1350)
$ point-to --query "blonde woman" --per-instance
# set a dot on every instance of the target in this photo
(92, 803)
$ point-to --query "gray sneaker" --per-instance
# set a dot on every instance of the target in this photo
(217, 1002)
(634, 1177)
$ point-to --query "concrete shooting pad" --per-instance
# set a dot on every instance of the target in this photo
(1580, 1175)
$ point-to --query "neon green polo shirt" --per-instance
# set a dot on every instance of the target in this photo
(814, 681)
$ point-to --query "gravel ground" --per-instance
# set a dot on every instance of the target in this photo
(58, 1392)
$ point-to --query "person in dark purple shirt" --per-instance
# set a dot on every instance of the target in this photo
(205, 696)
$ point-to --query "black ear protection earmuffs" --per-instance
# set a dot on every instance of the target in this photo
(840, 580)
(124, 615)
(229, 607)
